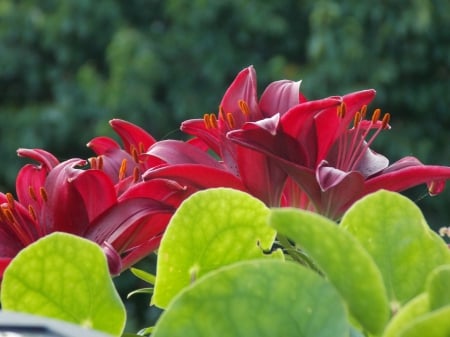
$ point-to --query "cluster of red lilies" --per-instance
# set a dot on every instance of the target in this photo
(281, 148)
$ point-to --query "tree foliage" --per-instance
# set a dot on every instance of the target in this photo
(67, 67)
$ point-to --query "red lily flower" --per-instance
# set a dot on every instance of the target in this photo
(259, 173)
(332, 165)
(68, 197)
(123, 165)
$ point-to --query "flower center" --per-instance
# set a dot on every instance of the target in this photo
(14, 220)
(228, 120)
(354, 144)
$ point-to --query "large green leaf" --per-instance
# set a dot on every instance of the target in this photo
(65, 277)
(433, 324)
(393, 230)
(344, 261)
(419, 311)
(255, 299)
(438, 287)
(415, 308)
(212, 228)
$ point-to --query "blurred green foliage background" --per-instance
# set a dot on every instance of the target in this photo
(67, 67)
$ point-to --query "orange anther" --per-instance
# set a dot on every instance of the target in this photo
(135, 174)
(8, 214)
(32, 193)
(244, 107)
(141, 147)
(10, 199)
(206, 121)
(376, 116)
(357, 119)
(230, 120)
(43, 194)
(32, 212)
(385, 121)
(210, 121)
(134, 153)
(363, 111)
(93, 163)
(341, 110)
(123, 169)
(213, 121)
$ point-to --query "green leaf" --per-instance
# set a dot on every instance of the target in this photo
(255, 299)
(143, 275)
(438, 287)
(344, 261)
(65, 277)
(417, 311)
(415, 308)
(212, 228)
(393, 230)
(433, 324)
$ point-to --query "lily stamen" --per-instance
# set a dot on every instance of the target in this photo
(22, 232)
(123, 169)
(93, 163)
(141, 148)
(244, 108)
(341, 110)
(385, 121)
(43, 194)
(136, 174)
(32, 193)
(210, 121)
(11, 201)
(134, 153)
(359, 148)
(363, 111)
(32, 212)
(376, 116)
(230, 120)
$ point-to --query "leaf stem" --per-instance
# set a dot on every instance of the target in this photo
(297, 254)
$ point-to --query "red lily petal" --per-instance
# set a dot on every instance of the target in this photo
(262, 176)
(242, 88)
(337, 199)
(197, 176)
(330, 126)
(279, 97)
(101, 145)
(133, 136)
(137, 253)
(406, 173)
(167, 191)
(10, 245)
(96, 190)
(175, 152)
(264, 136)
(112, 164)
(121, 217)
(328, 176)
(197, 128)
(113, 258)
(29, 181)
(41, 156)
(128, 238)
(300, 118)
(73, 197)
(31, 177)
(298, 123)
(4, 262)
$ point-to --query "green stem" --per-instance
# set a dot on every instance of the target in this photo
(296, 254)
